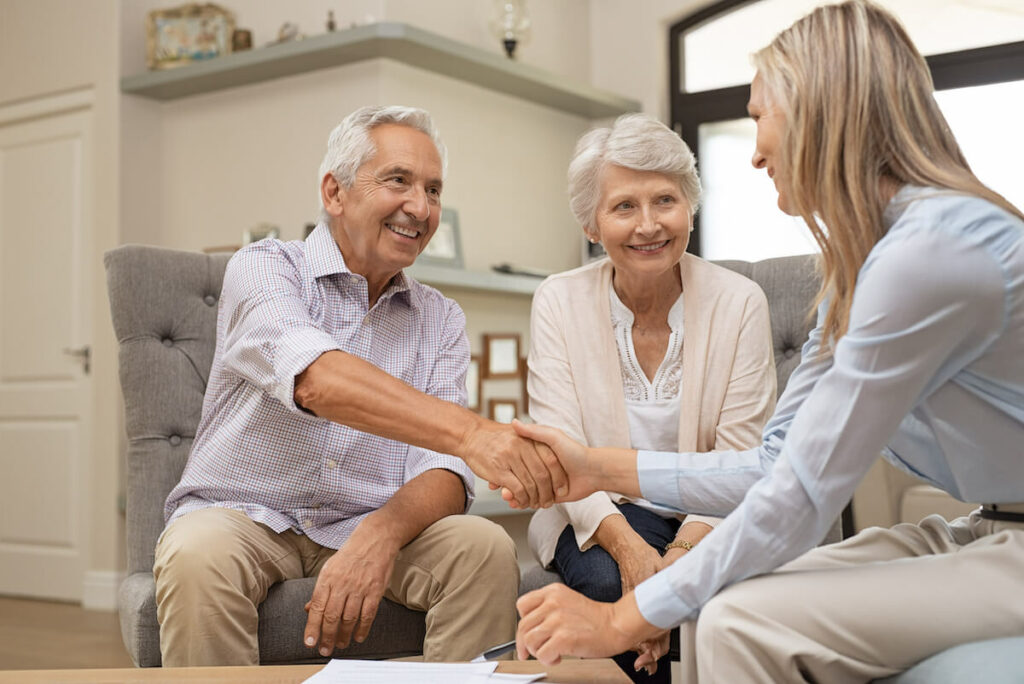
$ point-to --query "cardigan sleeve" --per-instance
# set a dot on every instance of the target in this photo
(750, 395)
(554, 401)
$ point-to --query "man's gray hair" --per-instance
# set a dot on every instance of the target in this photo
(350, 146)
(635, 141)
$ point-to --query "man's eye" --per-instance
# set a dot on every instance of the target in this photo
(624, 205)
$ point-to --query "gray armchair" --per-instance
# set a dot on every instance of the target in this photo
(164, 308)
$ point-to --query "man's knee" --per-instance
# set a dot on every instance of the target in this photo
(483, 546)
(190, 551)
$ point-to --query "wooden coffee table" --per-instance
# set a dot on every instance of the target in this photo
(593, 671)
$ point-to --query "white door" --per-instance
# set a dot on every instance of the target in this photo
(45, 280)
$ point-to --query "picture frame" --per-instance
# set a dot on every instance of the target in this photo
(503, 410)
(190, 33)
(474, 384)
(445, 247)
(260, 232)
(501, 356)
(524, 372)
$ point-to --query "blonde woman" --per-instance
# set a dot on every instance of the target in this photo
(917, 354)
(651, 348)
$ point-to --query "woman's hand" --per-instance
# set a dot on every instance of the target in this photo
(572, 455)
(558, 621)
(650, 652)
(637, 560)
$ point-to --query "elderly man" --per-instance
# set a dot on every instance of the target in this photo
(331, 412)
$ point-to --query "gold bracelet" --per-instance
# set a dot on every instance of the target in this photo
(679, 544)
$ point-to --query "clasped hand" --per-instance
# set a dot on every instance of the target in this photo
(528, 470)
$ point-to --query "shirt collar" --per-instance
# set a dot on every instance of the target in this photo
(325, 258)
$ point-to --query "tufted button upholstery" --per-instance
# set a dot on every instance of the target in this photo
(167, 342)
(789, 284)
(175, 440)
(210, 300)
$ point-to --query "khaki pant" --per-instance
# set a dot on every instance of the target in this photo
(214, 567)
(868, 607)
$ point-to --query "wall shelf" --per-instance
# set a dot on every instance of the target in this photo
(401, 42)
(479, 281)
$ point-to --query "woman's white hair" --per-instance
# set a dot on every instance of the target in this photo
(635, 141)
(350, 146)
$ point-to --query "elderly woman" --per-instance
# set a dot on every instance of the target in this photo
(917, 355)
(651, 348)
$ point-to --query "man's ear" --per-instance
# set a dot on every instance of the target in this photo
(332, 195)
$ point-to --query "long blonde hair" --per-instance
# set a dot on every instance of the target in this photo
(860, 114)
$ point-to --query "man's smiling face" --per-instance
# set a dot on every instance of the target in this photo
(394, 205)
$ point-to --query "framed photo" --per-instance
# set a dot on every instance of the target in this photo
(190, 33)
(502, 410)
(501, 356)
(524, 371)
(445, 248)
(260, 232)
(474, 384)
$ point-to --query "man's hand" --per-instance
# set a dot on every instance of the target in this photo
(348, 590)
(571, 455)
(528, 471)
(558, 621)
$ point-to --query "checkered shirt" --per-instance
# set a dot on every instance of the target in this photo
(284, 304)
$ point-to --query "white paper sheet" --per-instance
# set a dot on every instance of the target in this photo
(396, 672)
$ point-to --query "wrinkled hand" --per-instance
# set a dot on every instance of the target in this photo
(348, 591)
(571, 455)
(558, 621)
(650, 651)
(527, 470)
(637, 564)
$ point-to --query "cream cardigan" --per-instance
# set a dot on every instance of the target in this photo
(575, 381)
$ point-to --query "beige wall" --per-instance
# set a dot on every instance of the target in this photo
(47, 47)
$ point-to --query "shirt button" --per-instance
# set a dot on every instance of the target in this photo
(307, 522)
(316, 507)
(331, 464)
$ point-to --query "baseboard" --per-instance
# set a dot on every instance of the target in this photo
(99, 590)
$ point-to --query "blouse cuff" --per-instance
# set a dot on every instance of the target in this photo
(657, 473)
(658, 603)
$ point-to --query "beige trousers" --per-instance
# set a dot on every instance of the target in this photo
(868, 607)
(214, 567)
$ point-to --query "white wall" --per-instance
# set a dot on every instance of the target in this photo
(48, 47)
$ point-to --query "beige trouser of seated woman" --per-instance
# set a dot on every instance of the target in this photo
(868, 607)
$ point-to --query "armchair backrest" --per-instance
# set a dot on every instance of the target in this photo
(164, 308)
(790, 284)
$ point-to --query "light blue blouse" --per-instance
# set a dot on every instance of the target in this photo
(930, 373)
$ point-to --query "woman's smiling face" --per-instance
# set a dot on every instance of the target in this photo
(643, 220)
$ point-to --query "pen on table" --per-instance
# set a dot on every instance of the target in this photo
(496, 652)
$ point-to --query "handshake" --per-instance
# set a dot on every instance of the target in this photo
(536, 466)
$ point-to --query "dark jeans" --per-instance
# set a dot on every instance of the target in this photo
(595, 574)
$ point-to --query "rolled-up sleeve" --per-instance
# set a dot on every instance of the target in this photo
(266, 329)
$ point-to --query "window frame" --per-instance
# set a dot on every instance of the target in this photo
(964, 68)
